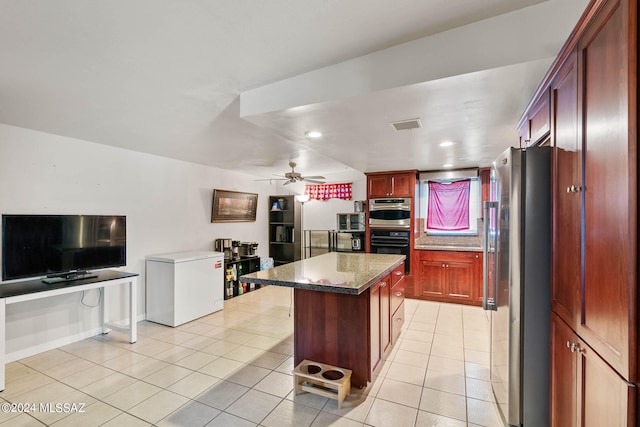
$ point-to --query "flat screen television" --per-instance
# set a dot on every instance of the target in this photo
(61, 245)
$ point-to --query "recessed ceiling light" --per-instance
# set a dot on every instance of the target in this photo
(446, 144)
(447, 165)
(313, 134)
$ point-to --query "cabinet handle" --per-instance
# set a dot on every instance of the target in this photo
(574, 189)
(399, 319)
(383, 284)
(398, 294)
(442, 265)
(574, 347)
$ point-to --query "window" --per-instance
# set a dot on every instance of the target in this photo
(450, 206)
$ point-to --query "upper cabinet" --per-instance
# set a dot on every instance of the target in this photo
(534, 128)
(391, 184)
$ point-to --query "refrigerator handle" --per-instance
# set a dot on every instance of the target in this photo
(488, 301)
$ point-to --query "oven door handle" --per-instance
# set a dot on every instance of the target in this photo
(390, 245)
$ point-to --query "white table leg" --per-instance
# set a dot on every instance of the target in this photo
(2, 342)
(104, 311)
(133, 308)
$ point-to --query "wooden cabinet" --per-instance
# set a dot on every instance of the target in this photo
(351, 331)
(609, 299)
(391, 184)
(374, 328)
(534, 125)
(285, 234)
(396, 184)
(398, 284)
(380, 302)
(594, 204)
(594, 299)
(563, 368)
(387, 314)
(450, 276)
(585, 391)
(567, 201)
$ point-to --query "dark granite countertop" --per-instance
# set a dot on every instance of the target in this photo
(346, 273)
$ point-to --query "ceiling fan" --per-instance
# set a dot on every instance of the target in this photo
(293, 177)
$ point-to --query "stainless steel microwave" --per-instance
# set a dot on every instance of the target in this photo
(353, 221)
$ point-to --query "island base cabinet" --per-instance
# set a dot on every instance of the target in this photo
(348, 331)
(586, 391)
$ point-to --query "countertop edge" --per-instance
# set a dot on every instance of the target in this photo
(323, 288)
(448, 248)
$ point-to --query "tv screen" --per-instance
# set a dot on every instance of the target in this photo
(39, 245)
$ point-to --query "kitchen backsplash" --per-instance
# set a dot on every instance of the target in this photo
(450, 240)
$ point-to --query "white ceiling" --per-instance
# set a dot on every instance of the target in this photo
(236, 83)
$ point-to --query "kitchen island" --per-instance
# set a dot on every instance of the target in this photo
(348, 308)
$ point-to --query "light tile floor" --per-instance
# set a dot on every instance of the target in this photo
(233, 368)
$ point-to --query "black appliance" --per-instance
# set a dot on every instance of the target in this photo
(224, 246)
(395, 242)
(61, 245)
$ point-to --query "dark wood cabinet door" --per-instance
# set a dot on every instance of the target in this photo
(432, 278)
(523, 133)
(563, 400)
(385, 314)
(608, 302)
(476, 287)
(585, 391)
(539, 119)
(379, 186)
(459, 278)
(605, 399)
(567, 200)
(374, 321)
(402, 185)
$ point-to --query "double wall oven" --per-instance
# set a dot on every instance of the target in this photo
(390, 227)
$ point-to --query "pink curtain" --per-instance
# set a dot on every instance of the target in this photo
(448, 205)
(329, 191)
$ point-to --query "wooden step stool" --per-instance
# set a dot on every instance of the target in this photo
(323, 380)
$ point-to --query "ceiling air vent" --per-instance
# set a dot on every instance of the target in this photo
(407, 124)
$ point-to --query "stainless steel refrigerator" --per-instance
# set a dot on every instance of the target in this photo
(516, 283)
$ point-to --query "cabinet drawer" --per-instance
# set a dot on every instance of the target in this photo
(397, 320)
(397, 275)
(397, 294)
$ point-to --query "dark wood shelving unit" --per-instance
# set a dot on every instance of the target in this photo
(285, 232)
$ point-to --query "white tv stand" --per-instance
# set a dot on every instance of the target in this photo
(11, 293)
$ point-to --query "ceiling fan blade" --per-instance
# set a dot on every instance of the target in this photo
(287, 183)
(314, 177)
(270, 179)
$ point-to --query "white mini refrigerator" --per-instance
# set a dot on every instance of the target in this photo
(184, 286)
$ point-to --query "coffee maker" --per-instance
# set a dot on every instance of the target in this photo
(235, 249)
(224, 246)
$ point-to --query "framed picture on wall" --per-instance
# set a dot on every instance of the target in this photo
(233, 206)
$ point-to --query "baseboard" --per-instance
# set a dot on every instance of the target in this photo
(50, 345)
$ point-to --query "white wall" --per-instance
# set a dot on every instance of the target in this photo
(167, 204)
